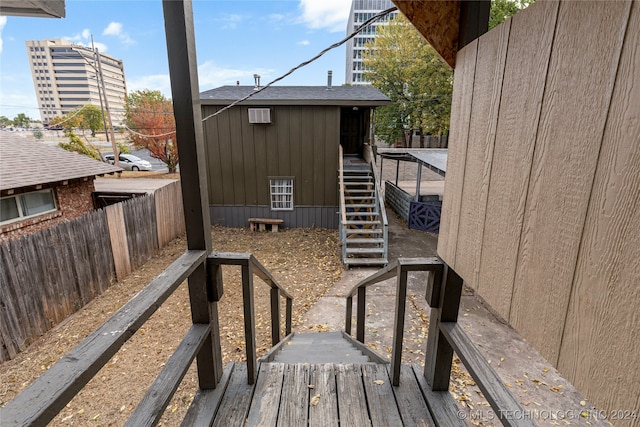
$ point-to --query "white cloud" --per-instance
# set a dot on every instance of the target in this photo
(327, 14)
(211, 75)
(86, 34)
(3, 22)
(159, 82)
(230, 21)
(304, 43)
(115, 29)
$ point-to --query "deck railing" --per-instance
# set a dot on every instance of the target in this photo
(41, 401)
(379, 199)
(443, 294)
(250, 266)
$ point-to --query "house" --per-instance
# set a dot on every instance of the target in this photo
(41, 185)
(275, 155)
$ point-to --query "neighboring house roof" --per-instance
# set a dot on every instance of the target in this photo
(365, 96)
(25, 163)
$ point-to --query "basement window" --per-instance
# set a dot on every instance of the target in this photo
(23, 206)
(281, 190)
(259, 115)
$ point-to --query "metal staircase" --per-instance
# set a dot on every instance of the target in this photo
(363, 225)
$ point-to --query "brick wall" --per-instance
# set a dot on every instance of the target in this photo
(73, 199)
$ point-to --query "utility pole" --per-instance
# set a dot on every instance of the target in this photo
(116, 154)
(104, 117)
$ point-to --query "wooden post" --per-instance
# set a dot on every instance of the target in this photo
(275, 316)
(439, 355)
(361, 313)
(419, 178)
(288, 315)
(348, 315)
(181, 50)
(398, 325)
(249, 321)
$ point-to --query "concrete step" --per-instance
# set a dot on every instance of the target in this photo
(320, 347)
(365, 261)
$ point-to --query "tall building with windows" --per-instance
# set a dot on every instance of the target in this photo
(361, 10)
(65, 77)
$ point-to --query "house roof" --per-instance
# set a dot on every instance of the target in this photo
(297, 95)
(25, 163)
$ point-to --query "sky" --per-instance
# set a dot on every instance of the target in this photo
(235, 39)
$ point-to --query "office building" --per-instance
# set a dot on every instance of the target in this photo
(361, 10)
(65, 77)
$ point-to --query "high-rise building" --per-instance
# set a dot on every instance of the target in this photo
(361, 10)
(65, 77)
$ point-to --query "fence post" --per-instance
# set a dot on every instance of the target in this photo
(275, 316)
(360, 313)
(439, 354)
(398, 324)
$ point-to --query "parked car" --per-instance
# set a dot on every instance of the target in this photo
(129, 162)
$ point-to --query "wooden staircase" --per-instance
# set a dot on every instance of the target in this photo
(362, 228)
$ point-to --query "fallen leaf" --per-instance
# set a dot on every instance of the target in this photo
(311, 386)
(379, 382)
(315, 400)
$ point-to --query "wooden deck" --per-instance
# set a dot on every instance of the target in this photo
(322, 394)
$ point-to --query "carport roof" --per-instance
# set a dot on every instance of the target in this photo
(25, 163)
(348, 96)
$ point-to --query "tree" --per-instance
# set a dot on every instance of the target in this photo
(91, 118)
(22, 120)
(76, 145)
(152, 125)
(501, 10)
(5, 121)
(85, 117)
(410, 72)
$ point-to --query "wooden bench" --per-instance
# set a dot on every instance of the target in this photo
(262, 222)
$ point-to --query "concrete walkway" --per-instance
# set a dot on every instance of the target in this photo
(546, 396)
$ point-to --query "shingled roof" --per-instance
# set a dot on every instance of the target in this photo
(364, 96)
(25, 163)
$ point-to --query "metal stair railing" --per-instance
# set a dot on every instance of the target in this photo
(443, 294)
(379, 199)
(379, 202)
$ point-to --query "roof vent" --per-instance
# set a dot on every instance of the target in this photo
(256, 77)
(329, 78)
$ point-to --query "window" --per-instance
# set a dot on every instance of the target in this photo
(26, 205)
(281, 194)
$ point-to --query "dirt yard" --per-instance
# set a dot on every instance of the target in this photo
(304, 261)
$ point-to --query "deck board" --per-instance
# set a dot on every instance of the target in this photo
(237, 398)
(349, 395)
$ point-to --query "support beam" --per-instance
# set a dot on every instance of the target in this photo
(181, 51)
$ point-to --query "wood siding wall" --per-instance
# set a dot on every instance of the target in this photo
(302, 142)
(48, 275)
(542, 195)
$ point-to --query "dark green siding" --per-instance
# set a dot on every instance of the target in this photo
(302, 142)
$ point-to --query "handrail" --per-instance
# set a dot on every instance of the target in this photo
(398, 268)
(41, 401)
(250, 266)
(343, 209)
(380, 199)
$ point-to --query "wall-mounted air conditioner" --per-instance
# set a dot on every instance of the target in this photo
(259, 115)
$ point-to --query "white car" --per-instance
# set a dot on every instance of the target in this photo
(130, 162)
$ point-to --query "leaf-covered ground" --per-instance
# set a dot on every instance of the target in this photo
(304, 261)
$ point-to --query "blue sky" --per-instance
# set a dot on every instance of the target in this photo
(234, 40)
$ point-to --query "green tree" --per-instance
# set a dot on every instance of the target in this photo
(91, 118)
(5, 121)
(410, 72)
(22, 120)
(501, 10)
(76, 145)
(38, 134)
(152, 125)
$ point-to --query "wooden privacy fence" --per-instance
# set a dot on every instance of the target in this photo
(48, 275)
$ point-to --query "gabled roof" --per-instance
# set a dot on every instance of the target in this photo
(25, 163)
(365, 96)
